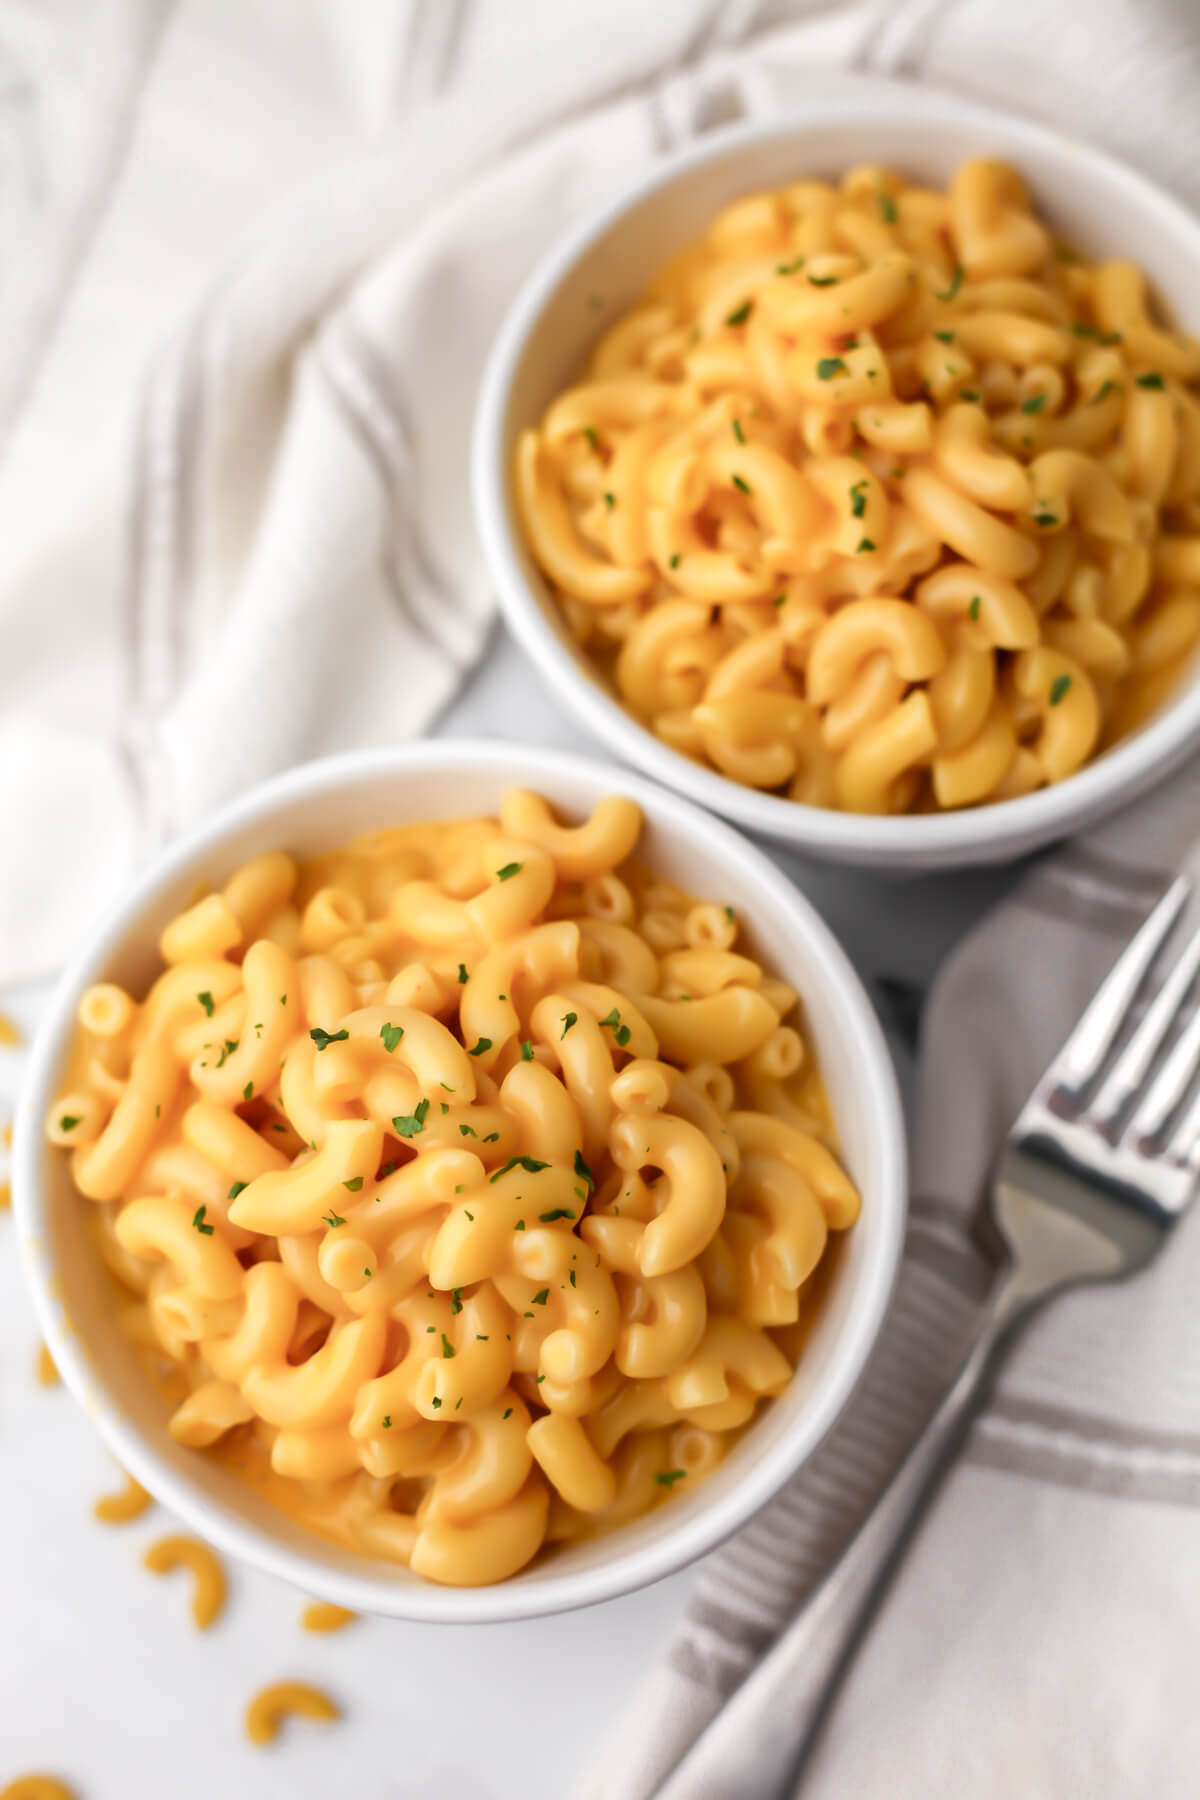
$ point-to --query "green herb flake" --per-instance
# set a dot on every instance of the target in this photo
(323, 1039)
(407, 1125)
(571, 1276)
(973, 609)
(669, 1477)
(864, 543)
(1152, 380)
(333, 1219)
(437, 1403)
(557, 1212)
(610, 500)
(1043, 519)
(69, 1121)
(507, 1414)
(569, 1019)
(858, 499)
(789, 268)
(944, 337)
(526, 1050)
(455, 1300)
(354, 1185)
(447, 1348)
(541, 1297)
(508, 871)
(742, 486)
(520, 1225)
(462, 974)
(248, 1091)
(206, 1001)
(887, 208)
(740, 314)
(970, 395)
(469, 1214)
(1059, 689)
(622, 1033)
(738, 433)
(590, 434)
(391, 1035)
(956, 281)
(198, 1221)
(583, 1172)
(674, 561)
(467, 1131)
(479, 1048)
(1034, 404)
(829, 366)
(1101, 394)
(528, 1163)
(822, 280)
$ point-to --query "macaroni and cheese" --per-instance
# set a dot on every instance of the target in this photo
(470, 1186)
(880, 499)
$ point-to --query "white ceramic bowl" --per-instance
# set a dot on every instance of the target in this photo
(317, 807)
(598, 272)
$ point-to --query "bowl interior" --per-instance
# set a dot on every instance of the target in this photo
(1091, 202)
(317, 809)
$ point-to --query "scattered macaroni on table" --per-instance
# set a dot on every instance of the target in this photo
(471, 1183)
(880, 499)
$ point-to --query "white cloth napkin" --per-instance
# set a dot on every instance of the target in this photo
(238, 354)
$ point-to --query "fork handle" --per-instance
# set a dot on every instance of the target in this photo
(757, 1744)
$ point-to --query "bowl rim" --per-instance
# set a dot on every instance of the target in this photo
(971, 835)
(134, 1445)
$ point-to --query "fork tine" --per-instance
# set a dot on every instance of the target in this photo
(1083, 1054)
(1137, 1058)
(1170, 1084)
(1184, 1143)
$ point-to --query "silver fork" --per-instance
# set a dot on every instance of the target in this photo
(1102, 1160)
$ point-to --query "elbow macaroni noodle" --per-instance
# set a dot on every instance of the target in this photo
(879, 500)
(468, 1185)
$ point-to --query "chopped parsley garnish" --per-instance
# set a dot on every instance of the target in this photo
(407, 1125)
(610, 500)
(822, 280)
(1059, 688)
(333, 1219)
(590, 434)
(858, 499)
(467, 1131)
(447, 1348)
(738, 433)
(354, 1185)
(198, 1221)
(437, 1403)
(508, 871)
(468, 1212)
(740, 314)
(674, 561)
(455, 1300)
(530, 1165)
(69, 1121)
(237, 1188)
(970, 395)
(669, 1477)
(730, 914)
(206, 1001)
(1152, 380)
(248, 1091)
(864, 543)
(582, 1170)
(956, 281)
(944, 337)
(742, 486)
(973, 609)
(1034, 404)
(887, 208)
(391, 1035)
(1101, 393)
(462, 974)
(779, 600)
(569, 1019)
(558, 1212)
(621, 1032)
(323, 1039)
(829, 366)
(541, 1297)
(520, 1225)
(507, 1414)
(790, 267)
(526, 1050)
(479, 1048)
(387, 1421)
(227, 1050)
(571, 1276)
(1045, 518)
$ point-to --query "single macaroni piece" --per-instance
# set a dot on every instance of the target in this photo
(323, 1616)
(208, 1575)
(37, 1787)
(523, 1159)
(123, 1508)
(271, 1705)
(861, 453)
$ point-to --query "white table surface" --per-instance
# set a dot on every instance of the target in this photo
(103, 1678)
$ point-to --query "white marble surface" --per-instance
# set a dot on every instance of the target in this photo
(104, 1679)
